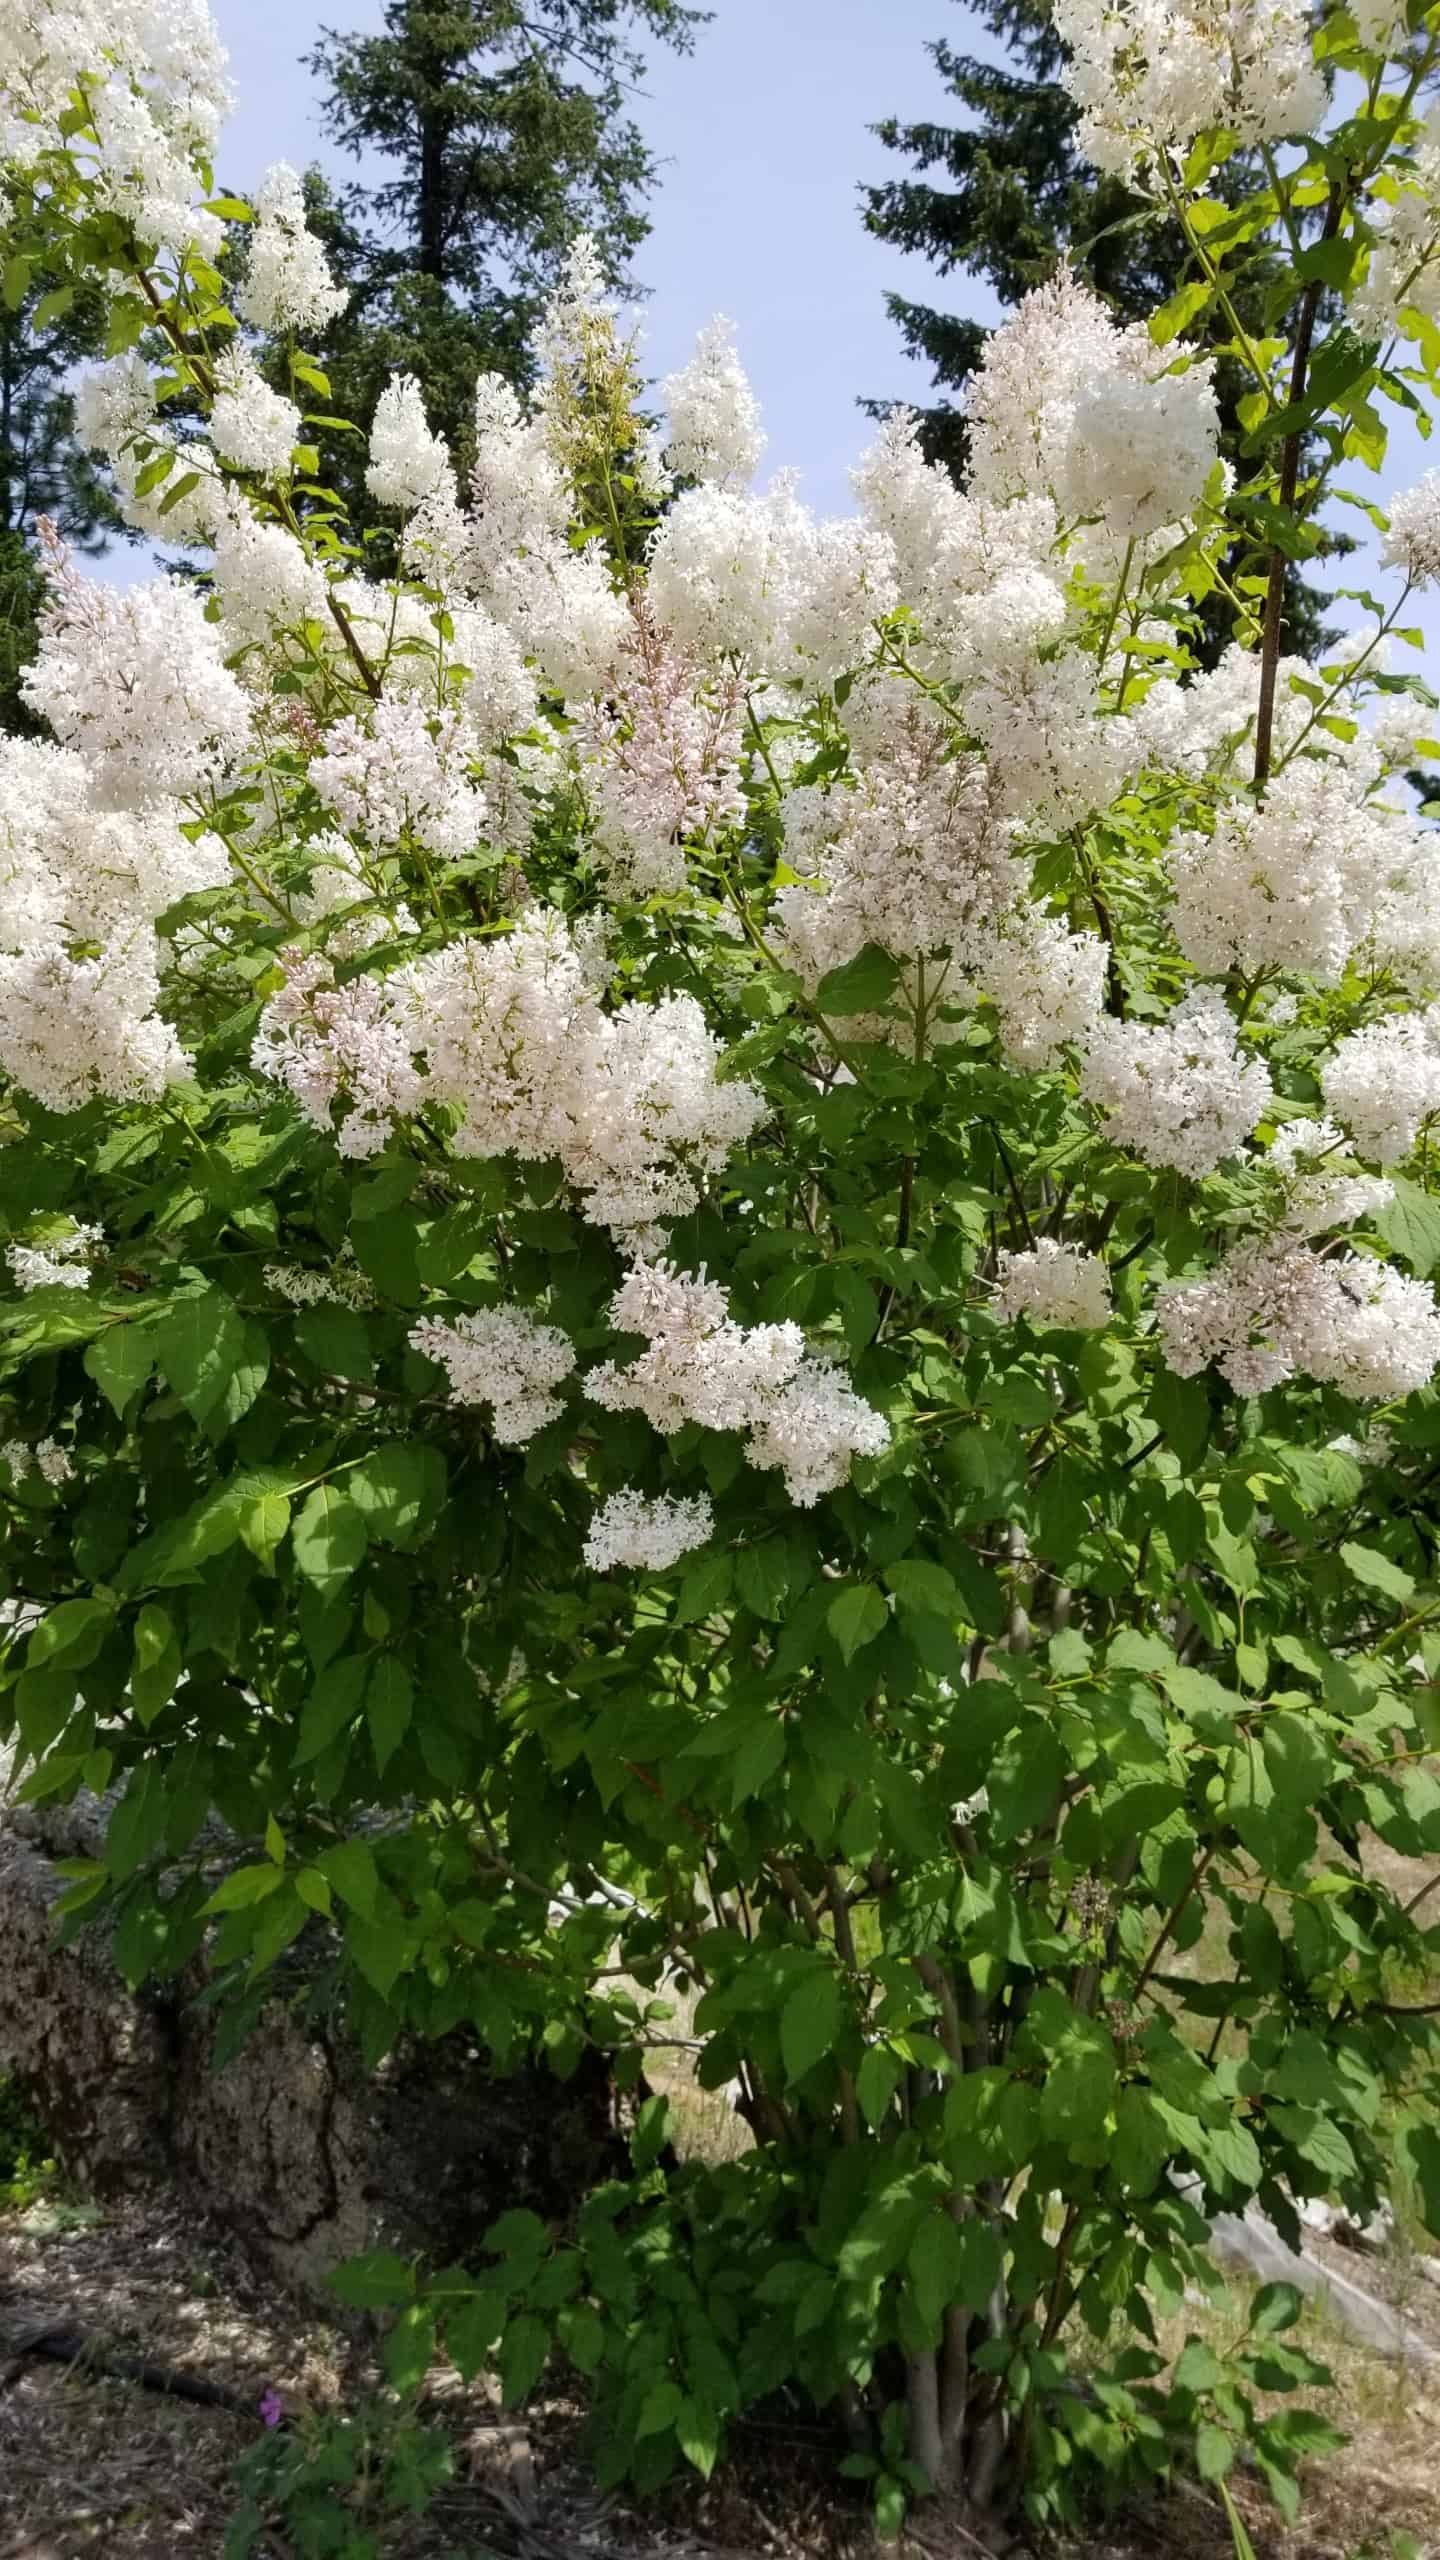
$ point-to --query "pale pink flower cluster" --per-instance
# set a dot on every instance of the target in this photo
(62, 1264)
(1053, 1283)
(501, 1357)
(1176, 1092)
(801, 1413)
(1273, 1309)
(660, 764)
(647, 1532)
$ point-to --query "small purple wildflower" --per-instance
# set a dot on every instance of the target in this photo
(272, 2407)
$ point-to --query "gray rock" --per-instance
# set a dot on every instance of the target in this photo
(96, 2060)
(1251, 2240)
(308, 2157)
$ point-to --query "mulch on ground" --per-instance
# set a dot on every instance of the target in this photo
(92, 2463)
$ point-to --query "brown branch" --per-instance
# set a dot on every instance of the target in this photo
(1289, 478)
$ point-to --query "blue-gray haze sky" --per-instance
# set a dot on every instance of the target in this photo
(763, 138)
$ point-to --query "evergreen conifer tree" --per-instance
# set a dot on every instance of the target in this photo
(44, 470)
(1002, 197)
(498, 130)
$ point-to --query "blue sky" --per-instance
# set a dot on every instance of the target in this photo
(762, 134)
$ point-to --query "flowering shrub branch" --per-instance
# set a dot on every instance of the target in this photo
(719, 1247)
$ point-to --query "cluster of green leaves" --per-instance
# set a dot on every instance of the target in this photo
(340, 2486)
(1171, 1635)
(26, 2168)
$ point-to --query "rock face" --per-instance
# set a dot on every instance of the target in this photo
(95, 2060)
(304, 2154)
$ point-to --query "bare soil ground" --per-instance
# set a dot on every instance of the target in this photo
(93, 2465)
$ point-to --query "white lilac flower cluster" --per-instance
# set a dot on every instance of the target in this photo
(929, 690)
(403, 772)
(138, 684)
(512, 1034)
(1054, 1283)
(287, 285)
(714, 418)
(77, 872)
(1321, 1189)
(914, 857)
(1177, 1092)
(252, 427)
(342, 903)
(801, 1413)
(1413, 540)
(62, 1264)
(509, 551)
(340, 1283)
(1148, 78)
(1098, 418)
(115, 414)
(344, 1045)
(1318, 871)
(647, 1532)
(755, 577)
(408, 465)
(1404, 269)
(1383, 1082)
(44, 1458)
(501, 1357)
(1274, 1309)
(152, 74)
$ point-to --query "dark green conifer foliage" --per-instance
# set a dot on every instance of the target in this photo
(489, 134)
(44, 470)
